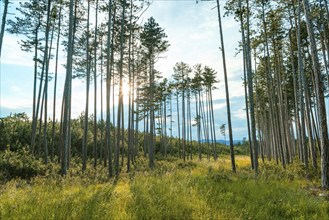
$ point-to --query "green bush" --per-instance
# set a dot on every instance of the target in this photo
(20, 164)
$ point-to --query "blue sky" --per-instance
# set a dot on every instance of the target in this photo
(193, 33)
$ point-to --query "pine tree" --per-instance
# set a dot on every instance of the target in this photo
(153, 39)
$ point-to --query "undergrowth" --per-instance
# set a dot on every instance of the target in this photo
(173, 190)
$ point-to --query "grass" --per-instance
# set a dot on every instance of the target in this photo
(174, 190)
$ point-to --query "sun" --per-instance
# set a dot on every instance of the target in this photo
(125, 92)
(125, 89)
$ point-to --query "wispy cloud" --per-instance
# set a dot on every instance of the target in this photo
(12, 54)
(193, 33)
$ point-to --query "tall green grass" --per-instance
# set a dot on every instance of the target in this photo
(174, 190)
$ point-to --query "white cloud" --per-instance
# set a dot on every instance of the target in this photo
(219, 106)
(240, 114)
(193, 33)
(14, 104)
(12, 54)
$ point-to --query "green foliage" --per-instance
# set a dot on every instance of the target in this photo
(168, 197)
(20, 164)
(261, 198)
(15, 131)
(153, 37)
(174, 190)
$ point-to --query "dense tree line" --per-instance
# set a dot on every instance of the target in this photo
(285, 53)
(16, 137)
(106, 47)
(285, 50)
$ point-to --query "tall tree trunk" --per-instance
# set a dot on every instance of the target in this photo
(178, 124)
(95, 87)
(55, 80)
(171, 122)
(120, 101)
(86, 116)
(3, 23)
(67, 94)
(295, 85)
(198, 124)
(251, 96)
(108, 92)
(245, 81)
(101, 146)
(35, 110)
(189, 122)
(46, 60)
(309, 129)
(132, 89)
(165, 124)
(323, 127)
(302, 85)
(183, 123)
(227, 92)
(40, 123)
(213, 126)
(130, 110)
(152, 118)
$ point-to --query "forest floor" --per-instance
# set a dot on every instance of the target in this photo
(173, 190)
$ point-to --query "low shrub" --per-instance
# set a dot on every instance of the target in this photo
(21, 164)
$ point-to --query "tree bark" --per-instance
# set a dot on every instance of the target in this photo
(227, 92)
(3, 23)
(67, 94)
(55, 80)
(86, 116)
(324, 142)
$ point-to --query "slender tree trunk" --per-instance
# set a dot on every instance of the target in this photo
(95, 87)
(246, 97)
(108, 92)
(55, 80)
(152, 119)
(213, 126)
(251, 96)
(165, 124)
(35, 110)
(67, 89)
(309, 129)
(302, 84)
(3, 23)
(245, 59)
(101, 146)
(205, 125)
(86, 116)
(183, 123)
(61, 133)
(123, 134)
(198, 124)
(227, 92)
(133, 140)
(189, 122)
(171, 122)
(120, 101)
(209, 121)
(323, 127)
(40, 124)
(327, 11)
(258, 114)
(130, 110)
(295, 85)
(178, 124)
(46, 60)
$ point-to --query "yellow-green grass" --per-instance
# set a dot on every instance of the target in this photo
(173, 190)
